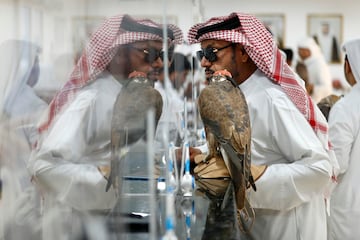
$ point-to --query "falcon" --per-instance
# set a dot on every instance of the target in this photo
(128, 124)
(224, 112)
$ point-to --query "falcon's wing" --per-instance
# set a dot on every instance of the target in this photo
(129, 121)
(224, 112)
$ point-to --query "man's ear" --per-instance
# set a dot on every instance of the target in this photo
(244, 56)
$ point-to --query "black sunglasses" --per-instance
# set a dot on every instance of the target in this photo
(210, 53)
(151, 54)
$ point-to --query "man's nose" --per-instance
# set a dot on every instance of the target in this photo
(204, 62)
(158, 63)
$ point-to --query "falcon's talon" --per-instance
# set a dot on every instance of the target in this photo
(206, 160)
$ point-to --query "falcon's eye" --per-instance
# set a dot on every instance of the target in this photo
(218, 149)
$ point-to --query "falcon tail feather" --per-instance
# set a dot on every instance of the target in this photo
(235, 157)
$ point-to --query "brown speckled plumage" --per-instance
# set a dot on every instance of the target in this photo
(225, 115)
(128, 123)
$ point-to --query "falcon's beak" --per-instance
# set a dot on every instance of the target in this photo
(208, 73)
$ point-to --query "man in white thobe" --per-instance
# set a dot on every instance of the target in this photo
(344, 133)
(318, 72)
(289, 133)
(72, 159)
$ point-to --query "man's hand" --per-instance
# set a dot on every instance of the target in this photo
(192, 151)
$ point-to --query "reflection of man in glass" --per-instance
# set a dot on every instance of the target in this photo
(328, 43)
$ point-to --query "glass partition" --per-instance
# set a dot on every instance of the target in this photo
(49, 173)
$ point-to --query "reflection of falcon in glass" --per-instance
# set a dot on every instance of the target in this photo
(128, 124)
(225, 115)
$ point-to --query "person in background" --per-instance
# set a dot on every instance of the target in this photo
(290, 149)
(344, 133)
(21, 108)
(174, 106)
(72, 160)
(180, 76)
(289, 55)
(179, 70)
(172, 111)
(20, 105)
(301, 70)
(318, 72)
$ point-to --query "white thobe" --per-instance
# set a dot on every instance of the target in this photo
(65, 165)
(289, 201)
(344, 127)
(27, 104)
(319, 75)
(27, 108)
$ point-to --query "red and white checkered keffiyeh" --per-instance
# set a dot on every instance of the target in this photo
(98, 54)
(262, 49)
